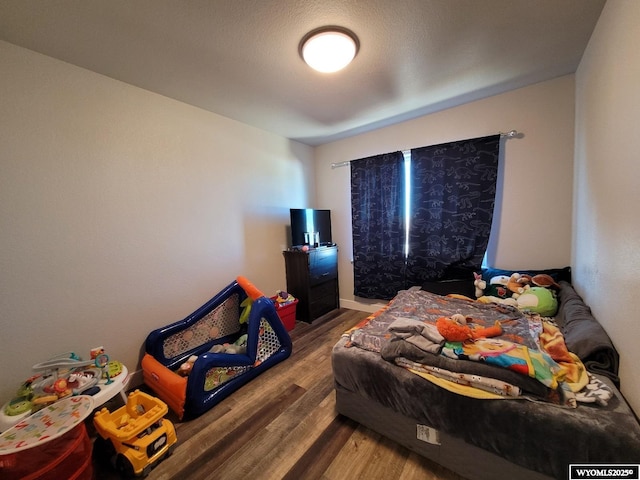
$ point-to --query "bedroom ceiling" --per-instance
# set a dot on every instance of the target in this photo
(239, 58)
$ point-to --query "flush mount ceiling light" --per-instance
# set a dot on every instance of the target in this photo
(329, 49)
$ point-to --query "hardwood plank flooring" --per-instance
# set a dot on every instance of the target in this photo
(283, 425)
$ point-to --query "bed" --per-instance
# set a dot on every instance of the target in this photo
(486, 419)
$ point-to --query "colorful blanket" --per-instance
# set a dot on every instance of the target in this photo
(529, 356)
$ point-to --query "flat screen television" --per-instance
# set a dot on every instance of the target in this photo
(311, 227)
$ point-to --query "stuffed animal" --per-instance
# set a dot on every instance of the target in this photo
(498, 287)
(479, 283)
(510, 301)
(539, 300)
(246, 305)
(544, 280)
(456, 329)
(236, 348)
(186, 367)
(518, 283)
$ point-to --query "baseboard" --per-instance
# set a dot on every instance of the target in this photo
(361, 306)
(135, 380)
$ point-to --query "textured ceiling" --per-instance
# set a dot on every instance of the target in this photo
(239, 58)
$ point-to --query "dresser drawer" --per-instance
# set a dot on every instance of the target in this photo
(323, 298)
(320, 275)
(323, 265)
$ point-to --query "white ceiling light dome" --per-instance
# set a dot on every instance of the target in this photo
(329, 49)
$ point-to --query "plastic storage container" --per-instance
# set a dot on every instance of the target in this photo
(287, 314)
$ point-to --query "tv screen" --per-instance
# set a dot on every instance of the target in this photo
(310, 227)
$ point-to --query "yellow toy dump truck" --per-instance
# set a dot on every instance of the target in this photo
(134, 438)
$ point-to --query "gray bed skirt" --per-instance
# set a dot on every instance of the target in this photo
(450, 452)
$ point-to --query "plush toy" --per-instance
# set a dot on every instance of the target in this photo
(239, 346)
(186, 367)
(235, 348)
(539, 300)
(518, 283)
(498, 287)
(510, 301)
(479, 283)
(246, 305)
(456, 329)
(544, 280)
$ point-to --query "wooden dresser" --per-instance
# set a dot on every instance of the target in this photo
(312, 277)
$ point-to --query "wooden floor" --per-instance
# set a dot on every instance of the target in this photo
(283, 425)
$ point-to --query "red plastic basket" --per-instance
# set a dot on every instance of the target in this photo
(287, 314)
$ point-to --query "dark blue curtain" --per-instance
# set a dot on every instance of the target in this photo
(377, 213)
(453, 187)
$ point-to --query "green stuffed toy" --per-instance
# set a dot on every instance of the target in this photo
(539, 300)
(246, 305)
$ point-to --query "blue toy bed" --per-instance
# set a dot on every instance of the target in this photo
(240, 311)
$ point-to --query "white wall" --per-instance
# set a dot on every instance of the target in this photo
(606, 239)
(122, 211)
(532, 223)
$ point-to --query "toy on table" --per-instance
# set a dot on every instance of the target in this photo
(134, 438)
(61, 376)
(102, 362)
(110, 368)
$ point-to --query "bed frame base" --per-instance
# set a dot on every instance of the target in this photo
(454, 454)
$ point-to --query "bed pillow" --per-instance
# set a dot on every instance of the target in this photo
(558, 274)
(445, 287)
(454, 280)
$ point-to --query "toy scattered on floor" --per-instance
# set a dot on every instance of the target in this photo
(136, 437)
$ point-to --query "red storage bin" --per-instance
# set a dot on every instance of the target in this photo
(287, 313)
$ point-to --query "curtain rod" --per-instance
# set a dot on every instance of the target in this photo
(509, 134)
